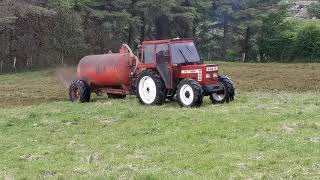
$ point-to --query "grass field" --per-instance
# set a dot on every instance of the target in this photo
(271, 131)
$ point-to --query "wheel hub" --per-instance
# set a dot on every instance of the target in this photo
(187, 94)
(75, 93)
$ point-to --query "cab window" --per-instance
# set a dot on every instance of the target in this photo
(148, 51)
(162, 53)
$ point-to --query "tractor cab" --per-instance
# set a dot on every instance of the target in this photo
(177, 52)
(167, 56)
(178, 65)
(177, 59)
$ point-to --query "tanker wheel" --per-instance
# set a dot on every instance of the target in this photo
(116, 96)
(190, 93)
(150, 88)
(79, 91)
(227, 94)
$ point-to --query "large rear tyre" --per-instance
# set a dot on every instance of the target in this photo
(227, 94)
(150, 88)
(190, 93)
(79, 91)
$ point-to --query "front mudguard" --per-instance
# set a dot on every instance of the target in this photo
(212, 88)
(226, 77)
(215, 88)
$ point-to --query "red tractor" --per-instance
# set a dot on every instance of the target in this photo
(163, 69)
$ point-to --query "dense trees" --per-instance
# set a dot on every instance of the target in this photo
(41, 33)
(314, 10)
(285, 40)
(307, 43)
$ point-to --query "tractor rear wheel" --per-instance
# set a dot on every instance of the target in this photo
(150, 88)
(79, 91)
(190, 93)
(117, 96)
(227, 94)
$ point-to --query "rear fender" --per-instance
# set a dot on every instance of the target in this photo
(162, 69)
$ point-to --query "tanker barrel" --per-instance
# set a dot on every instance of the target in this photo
(106, 69)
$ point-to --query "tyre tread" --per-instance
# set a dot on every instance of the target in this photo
(85, 91)
(230, 91)
(198, 92)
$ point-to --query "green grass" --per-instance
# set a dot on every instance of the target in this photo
(262, 135)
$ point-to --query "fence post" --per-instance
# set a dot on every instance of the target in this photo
(14, 62)
(243, 57)
(62, 60)
(1, 65)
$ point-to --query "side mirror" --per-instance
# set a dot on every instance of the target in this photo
(201, 60)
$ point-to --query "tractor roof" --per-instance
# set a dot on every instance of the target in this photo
(176, 40)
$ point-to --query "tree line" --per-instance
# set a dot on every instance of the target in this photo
(45, 33)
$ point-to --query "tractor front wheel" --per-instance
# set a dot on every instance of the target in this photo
(190, 93)
(225, 95)
(150, 88)
(79, 91)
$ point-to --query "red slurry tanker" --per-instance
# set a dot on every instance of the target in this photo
(163, 69)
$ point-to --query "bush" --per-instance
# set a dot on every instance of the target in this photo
(232, 55)
(276, 38)
(289, 40)
(308, 43)
(314, 10)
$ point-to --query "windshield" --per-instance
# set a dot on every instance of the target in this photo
(184, 53)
